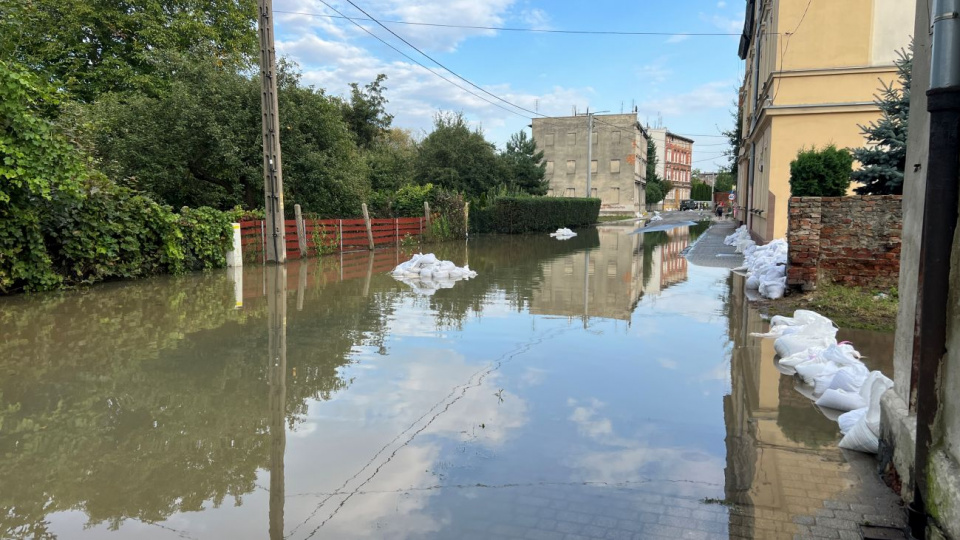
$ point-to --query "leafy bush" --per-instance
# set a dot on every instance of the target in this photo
(701, 192)
(61, 223)
(514, 215)
(821, 173)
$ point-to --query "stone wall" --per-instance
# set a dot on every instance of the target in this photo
(850, 240)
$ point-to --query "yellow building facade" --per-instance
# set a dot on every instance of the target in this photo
(812, 69)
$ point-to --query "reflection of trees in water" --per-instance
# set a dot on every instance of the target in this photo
(511, 265)
(143, 400)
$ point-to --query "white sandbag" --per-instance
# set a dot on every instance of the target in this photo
(792, 344)
(841, 400)
(426, 274)
(848, 419)
(809, 371)
(864, 436)
(563, 234)
(850, 378)
(753, 283)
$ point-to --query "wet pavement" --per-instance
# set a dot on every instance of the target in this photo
(601, 387)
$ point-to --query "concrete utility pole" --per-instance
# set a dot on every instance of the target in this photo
(589, 150)
(276, 245)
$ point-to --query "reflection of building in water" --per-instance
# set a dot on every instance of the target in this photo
(673, 263)
(663, 262)
(782, 460)
(604, 282)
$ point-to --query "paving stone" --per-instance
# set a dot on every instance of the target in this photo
(838, 524)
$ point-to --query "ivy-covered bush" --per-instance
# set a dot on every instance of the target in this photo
(62, 223)
(512, 215)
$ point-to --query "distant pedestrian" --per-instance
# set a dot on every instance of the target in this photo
(720, 210)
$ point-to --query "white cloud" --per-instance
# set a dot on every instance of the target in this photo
(721, 5)
(732, 25)
(713, 95)
(677, 39)
(536, 19)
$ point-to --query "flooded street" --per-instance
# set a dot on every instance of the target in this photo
(600, 387)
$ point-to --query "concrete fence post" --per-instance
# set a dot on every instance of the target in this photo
(301, 231)
(466, 219)
(366, 221)
(235, 255)
(426, 213)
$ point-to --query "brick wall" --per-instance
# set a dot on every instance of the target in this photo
(850, 240)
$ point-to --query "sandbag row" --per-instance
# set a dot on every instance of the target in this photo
(563, 234)
(427, 274)
(766, 265)
(832, 374)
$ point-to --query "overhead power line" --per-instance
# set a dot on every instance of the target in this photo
(437, 62)
(509, 29)
(408, 57)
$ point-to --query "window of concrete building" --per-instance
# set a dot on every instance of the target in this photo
(614, 166)
(549, 167)
(596, 137)
(571, 166)
(571, 192)
(612, 269)
(593, 167)
(548, 139)
(593, 192)
(615, 137)
(614, 195)
(572, 138)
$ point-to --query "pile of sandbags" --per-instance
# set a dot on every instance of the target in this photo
(427, 274)
(563, 234)
(656, 216)
(766, 265)
(832, 374)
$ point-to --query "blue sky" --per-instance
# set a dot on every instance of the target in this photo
(690, 81)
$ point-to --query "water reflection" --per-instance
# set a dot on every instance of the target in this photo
(208, 406)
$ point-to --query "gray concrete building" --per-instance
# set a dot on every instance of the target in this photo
(618, 159)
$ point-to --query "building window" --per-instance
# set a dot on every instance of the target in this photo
(548, 139)
(614, 166)
(571, 166)
(614, 195)
(596, 137)
(549, 167)
(593, 167)
(571, 192)
(593, 192)
(572, 138)
(615, 137)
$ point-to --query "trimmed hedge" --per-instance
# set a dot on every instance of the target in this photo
(514, 215)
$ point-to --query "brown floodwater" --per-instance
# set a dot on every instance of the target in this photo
(596, 386)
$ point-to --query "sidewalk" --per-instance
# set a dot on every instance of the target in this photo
(709, 250)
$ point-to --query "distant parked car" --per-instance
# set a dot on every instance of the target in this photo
(688, 204)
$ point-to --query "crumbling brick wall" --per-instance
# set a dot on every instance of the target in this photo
(850, 240)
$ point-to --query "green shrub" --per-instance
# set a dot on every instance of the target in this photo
(512, 215)
(821, 173)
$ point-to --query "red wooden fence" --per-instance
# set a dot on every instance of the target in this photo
(329, 235)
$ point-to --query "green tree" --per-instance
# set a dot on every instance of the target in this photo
(366, 113)
(735, 139)
(652, 162)
(457, 158)
(199, 142)
(654, 192)
(523, 165)
(821, 173)
(884, 158)
(725, 181)
(700, 191)
(391, 160)
(90, 47)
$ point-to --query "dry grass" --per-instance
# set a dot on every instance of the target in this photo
(848, 307)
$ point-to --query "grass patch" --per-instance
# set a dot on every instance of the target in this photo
(604, 219)
(848, 307)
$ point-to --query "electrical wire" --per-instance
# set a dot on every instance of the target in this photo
(420, 64)
(437, 62)
(509, 29)
(786, 47)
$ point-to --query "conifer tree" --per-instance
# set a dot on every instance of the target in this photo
(885, 155)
